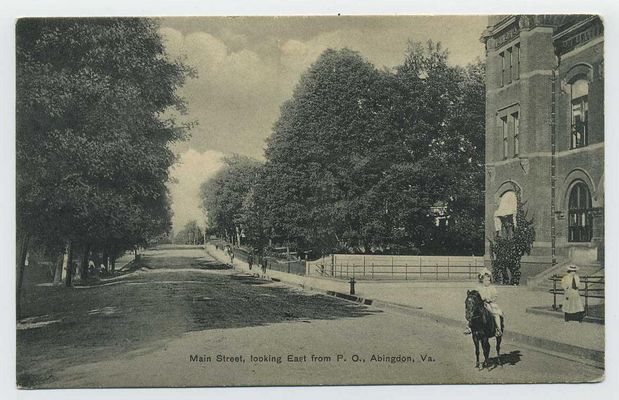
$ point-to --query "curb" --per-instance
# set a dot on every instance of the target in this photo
(580, 354)
(555, 314)
(584, 355)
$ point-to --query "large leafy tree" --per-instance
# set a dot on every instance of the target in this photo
(317, 156)
(360, 156)
(92, 132)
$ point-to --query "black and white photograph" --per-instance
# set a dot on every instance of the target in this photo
(308, 200)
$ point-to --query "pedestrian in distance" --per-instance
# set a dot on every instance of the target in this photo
(91, 267)
(572, 303)
(264, 265)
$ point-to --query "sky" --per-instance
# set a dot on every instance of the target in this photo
(248, 66)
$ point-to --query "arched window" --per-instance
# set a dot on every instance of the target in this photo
(580, 113)
(580, 218)
(505, 215)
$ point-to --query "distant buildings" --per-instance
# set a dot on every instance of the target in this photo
(545, 134)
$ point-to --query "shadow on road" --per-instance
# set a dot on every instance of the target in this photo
(511, 358)
(101, 322)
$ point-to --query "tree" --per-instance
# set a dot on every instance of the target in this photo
(318, 150)
(506, 252)
(223, 196)
(92, 136)
(360, 156)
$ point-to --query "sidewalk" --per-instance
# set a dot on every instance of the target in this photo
(445, 301)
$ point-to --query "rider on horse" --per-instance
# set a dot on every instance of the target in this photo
(489, 295)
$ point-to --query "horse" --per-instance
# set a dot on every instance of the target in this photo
(483, 327)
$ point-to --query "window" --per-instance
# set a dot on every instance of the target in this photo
(504, 216)
(517, 63)
(504, 128)
(511, 63)
(580, 218)
(580, 113)
(502, 55)
(516, 134)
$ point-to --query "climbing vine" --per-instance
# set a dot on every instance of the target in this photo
(506, 251)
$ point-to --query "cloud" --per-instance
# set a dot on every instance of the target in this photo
(235, 98)
(248, 67)
(193, 169)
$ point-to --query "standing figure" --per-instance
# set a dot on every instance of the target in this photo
(572, 304)
(264, 265)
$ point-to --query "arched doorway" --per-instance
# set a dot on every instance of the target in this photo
(580, 217)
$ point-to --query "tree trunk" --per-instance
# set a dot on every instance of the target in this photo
(62, 266)
(237, 231)
(68, 281)
(104, 260)
(24, 240)
(113, 264)
(84, 266)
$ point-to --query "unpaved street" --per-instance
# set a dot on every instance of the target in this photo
(185, 320)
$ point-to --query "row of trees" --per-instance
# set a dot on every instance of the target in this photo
(92, 136)
(190, 234)
(360, 156)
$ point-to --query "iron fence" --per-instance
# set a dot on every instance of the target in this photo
(373, 271)
(592, 290)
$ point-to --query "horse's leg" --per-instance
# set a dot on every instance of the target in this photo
(476, 342)
(498, 350)
(485, 344)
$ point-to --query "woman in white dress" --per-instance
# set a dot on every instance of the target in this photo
(572, 303)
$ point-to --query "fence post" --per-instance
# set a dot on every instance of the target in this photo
(347, 273)
(406, 271)
(554, 293)
(372, 270)
(586, 296)
(364, 266)
(419, 257)
(436, 265)
(392, 266)
(447, 267)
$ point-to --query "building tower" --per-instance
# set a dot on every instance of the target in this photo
(545, 135)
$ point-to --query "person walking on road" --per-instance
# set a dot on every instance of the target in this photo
(572, 304)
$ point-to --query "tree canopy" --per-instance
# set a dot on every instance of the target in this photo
(92, 132)
(227, 195)
(367, 160)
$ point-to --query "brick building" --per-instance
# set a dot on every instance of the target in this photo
(545, 134)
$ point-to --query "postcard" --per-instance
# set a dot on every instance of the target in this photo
(309, 200)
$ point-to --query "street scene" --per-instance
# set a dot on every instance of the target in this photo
(143, 327)
(289, 201)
